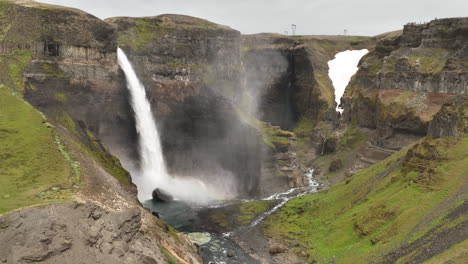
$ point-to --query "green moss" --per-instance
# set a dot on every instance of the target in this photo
(429, 60)
(52, 70)
(36, 167)
(169, 257)
(12, 68)
(87, 143)
(65, 120)
(326, 88)
(250, 210)
(354, 221)
(273, 136)
(304, 128)
(351, 138)
(220, 219)
(61, 97)
(109, 162)
(276, 137)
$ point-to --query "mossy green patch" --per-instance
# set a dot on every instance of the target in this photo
(351, 138)
(52, 69)
(87, 143)
(12, 68)
(109, 162)
(273, 136)
(36, 167)
(169, 257)
(357, 220)
(250, 210)
(220, 219)
(61, 97)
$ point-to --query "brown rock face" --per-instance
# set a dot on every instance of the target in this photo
(82, 233)
(406, 79)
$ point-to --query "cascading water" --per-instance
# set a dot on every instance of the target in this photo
(152, 172)
(342, 68)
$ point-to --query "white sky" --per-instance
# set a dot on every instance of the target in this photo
(342, 68)
(331, 17)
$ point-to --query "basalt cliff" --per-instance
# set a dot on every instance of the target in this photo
(259, 109)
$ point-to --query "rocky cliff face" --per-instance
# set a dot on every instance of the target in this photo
(63, 62)
(406, 79)
(191, 69)
(288, 76)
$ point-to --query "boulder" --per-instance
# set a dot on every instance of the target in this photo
(161, 195)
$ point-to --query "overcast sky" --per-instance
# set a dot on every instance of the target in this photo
(331, 17)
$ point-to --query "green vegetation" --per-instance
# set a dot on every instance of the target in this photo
(220, 219)
(147, 30)
(36, 167)
(12, 68)
(351, 139)
(353, 221)
(169, 257)
(250, 210)
(109, 162)
(52, 70)
(88, 144)
(273, 136)
(327, 92)
(61, 97)
(430, 60)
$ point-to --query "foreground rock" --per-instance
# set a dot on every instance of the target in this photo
(80, 233)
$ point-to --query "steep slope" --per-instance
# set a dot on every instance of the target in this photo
(57, 158)
(407, 208)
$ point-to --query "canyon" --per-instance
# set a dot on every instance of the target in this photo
(250, 114)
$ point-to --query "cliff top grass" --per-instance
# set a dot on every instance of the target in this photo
(139, 32)
(36, 167)
(380, 208)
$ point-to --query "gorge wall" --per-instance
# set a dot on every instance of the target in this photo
(406, 79)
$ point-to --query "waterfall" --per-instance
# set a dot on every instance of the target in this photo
(153, 169)
(153, 173)
(342, 68)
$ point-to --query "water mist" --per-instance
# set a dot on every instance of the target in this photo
(152, 172)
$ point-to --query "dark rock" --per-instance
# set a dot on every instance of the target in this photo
(155, 214)
(329, 145)
(161, 195)
(277, 249)
(450, 120)
(335, 165)
(230, 254)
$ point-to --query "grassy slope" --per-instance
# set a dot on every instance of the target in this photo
(35, 167)
(379, 208)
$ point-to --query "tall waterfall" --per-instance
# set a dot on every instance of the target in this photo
(342, 68)
(153, 169)
(153, 172)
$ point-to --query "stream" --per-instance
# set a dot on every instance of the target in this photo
(218, 247)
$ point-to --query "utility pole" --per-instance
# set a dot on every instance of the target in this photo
(345, 32)
(293, 29)
(286, 32)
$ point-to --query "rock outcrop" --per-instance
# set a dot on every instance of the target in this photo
(85, 233)
(404, 81)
